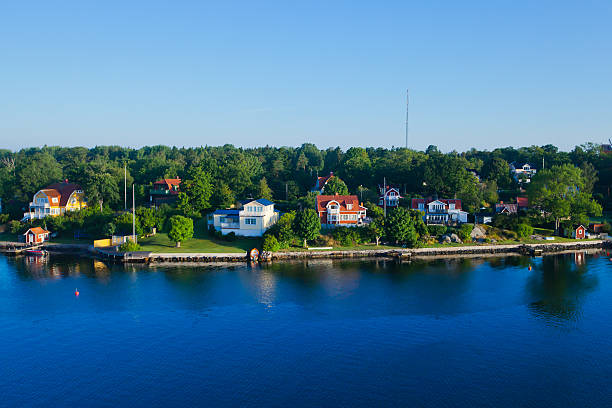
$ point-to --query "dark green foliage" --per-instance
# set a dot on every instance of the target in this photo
(400, 227)
(437, 230)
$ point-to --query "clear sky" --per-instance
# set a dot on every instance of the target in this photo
(189, 73)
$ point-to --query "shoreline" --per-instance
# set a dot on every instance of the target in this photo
(399, 254)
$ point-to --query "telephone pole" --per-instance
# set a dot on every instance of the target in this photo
(407, 106)
(134, 216)
(385, 196)
(125, 186)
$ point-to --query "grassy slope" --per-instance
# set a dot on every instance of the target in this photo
(201, 242)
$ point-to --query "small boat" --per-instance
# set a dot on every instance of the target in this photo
(36, 252)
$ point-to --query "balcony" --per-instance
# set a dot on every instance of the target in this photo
(230, 225)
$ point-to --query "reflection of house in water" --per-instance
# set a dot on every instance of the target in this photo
(579, 258)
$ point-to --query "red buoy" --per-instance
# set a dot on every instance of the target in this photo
(529, 267)
(76, 292)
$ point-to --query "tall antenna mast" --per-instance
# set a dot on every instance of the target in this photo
(407, 105)
(125, 186)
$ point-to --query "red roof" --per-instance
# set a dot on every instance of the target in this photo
(342, 200)
(37, 230)
(522, 201)
(64, 189)
(168, 182)
(414, 203)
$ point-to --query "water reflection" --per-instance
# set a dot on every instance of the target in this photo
(558, 285)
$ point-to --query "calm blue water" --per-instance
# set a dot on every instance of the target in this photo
(458, 333)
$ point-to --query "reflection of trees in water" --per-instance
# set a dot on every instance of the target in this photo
(557, 287)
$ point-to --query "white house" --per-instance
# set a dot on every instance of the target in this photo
(391, 196)
(442, 211)
(251, 220)
(522, 173)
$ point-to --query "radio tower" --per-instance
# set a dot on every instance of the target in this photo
(407, 103)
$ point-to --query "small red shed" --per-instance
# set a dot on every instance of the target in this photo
(36, 235)
(579, 232)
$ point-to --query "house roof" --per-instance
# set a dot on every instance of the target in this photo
(414, 203)
(37, 230)
(262, 201)
(168, 182)
(389, 188)
(63, 190)
(522, 201)
(509, 207)
(342, 200)
(230, 211)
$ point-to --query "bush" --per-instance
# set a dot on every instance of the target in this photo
(464, 231)
(606, 227)
(436, 230)
(524, 230)
(230, 237)
(270, 244)
(14, 226)
(129, 246)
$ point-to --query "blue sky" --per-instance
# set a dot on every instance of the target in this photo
(189, 73)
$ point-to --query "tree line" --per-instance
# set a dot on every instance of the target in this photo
(216, 177)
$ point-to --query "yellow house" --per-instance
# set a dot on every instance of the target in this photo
(56, 200)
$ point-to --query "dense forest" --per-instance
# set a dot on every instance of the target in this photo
(286, 174)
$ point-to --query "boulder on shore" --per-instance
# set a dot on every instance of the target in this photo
(448, 238)
(478, 232)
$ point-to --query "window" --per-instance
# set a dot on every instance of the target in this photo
(250, 221)
(349, 206)
(54, 199)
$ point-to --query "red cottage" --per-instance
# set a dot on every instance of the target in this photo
(345, 210)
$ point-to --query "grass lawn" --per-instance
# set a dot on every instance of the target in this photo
(161, 243)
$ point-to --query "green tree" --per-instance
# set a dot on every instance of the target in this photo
(223, 196)
(377, 225)
(181, 228)
(198, 190)
(559, 192)
(524, 230)
(307, 225)
(270, 243)
(263, 191)
(399, 227)
(335, 185)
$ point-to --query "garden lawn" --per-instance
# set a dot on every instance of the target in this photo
(161, 243)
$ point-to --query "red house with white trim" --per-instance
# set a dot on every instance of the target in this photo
(36, 235)
(344, 210)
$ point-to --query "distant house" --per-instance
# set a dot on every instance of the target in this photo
(440, 211)
(483, 218)
(343, 210)
(580, 232)
(522, 203)
(506, 208)
(164, 191)
(251, 220)
(321, 182)
(55, 200)
(36, 235)
(391, 196)
(522, 173)
(596, 227)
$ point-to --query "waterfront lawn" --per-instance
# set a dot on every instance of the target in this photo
(161, 243)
